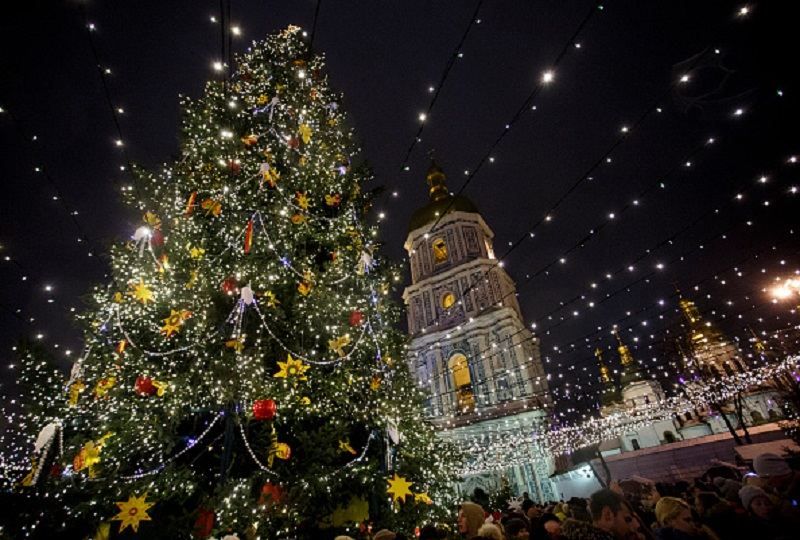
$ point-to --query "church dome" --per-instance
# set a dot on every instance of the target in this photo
(441, 200)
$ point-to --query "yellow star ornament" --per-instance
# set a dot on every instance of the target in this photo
(173, 323)
(305, 133)
(132, 512)
(292, 368)
(422, 498)
(142, 293)
(337, 345)
(398, 488)
(345, 446)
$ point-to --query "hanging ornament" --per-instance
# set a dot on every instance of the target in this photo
(141, 238)
(338, 344)
(89, 456)
(118, 298)
(264, 409)
(204, 524)
(152, 219)
(75, 391)
(229, 285)
(248, 236)
(356, 318)
(344, 446)
(146, 386)
(277, 449)
(103, 386)
(398, 488)
(157, 238)
(333, 200)
(292, 369)
(132, 512)
(193, 274)
(249, 140)
(190, 204)
(247, 295)
(305, 133)
(263, 99)
(120, 348)
(270, 299)
(234, 167)
(163, 263)
(293, 143)
(375, 383)
(196, 252)
(365, 263)
(236, 344)
(302, 199)
(422, 498)
(298, 218)
(269, 175)
(211, 207)
(173, 323)
(271, 494)
(304, 287)
(142, 293)
(313, 93)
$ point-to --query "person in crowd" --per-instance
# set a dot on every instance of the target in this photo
(516, 529)
(612, 519)
(384, 534)
(470, 519)
(778, 477)
(578, 509)
(547, 527)
(676, 521)
(430, 532)
(491, 531)
(765, 522)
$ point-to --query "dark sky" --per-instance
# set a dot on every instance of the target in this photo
(383, 55)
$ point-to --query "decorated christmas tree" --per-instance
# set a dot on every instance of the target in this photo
(241, 373)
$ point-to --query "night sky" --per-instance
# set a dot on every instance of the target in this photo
(384, 56)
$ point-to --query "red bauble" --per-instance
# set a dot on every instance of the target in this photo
(229, 285)
(144, 386)
(356, 318)
(294, 143)
(264, 409)
(234, 167)
(270, 494)
(204, 523)
(157, 238)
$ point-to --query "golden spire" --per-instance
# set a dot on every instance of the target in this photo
(436, 182)
(625, 355)
(605, 374)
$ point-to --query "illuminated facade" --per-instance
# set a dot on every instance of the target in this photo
(470, 349)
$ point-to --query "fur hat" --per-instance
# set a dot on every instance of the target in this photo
(768, 465)
(748, 493)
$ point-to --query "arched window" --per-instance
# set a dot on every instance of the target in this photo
(462, 380)
(439, 247)
(669, 437)
(757, 417)
(635, 444)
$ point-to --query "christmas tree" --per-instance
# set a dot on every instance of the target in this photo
(241, 373)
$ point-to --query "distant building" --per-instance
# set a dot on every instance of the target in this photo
(707, 355)
(470, 349)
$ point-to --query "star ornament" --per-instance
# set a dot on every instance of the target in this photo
(142, 293)
(422, 498)
(292, 368)
(337, 345)
(132, 512)
(173, 323)
(398, 488)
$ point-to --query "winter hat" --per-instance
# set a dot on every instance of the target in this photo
(768, 465)
(473, 513)
(384, 534)
(748, 493)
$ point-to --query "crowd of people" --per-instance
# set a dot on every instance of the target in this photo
(722, 504)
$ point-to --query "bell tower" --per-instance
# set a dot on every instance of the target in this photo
(470, 351)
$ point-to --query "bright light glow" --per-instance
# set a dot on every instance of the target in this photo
(118, 142)
(684, 78)
(744, 10)
(236, 31)
(738, 112)
(422, 117)
(548, 76)
(789, 288)
(217, 66)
